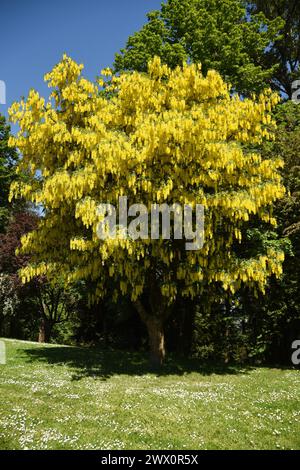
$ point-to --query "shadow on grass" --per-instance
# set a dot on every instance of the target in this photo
(90, 362)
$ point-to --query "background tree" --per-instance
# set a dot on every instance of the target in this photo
(219, 34)
(56, 305)
(39, 304)
(8, 160)
(283, 55)
(19, 297)
(19, 224)
(9, 300)
(277, 315)
(165, 137)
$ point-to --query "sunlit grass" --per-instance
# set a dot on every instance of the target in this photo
(56, 397)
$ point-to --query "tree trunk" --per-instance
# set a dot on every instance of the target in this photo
(156, 341)
(45, 331)
(154, 324)
(42, 332)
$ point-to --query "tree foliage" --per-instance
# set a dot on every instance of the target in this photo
(284, 54)
(282, 305)
(18, 225)
(8, 160)
(219, 34)
(164, 137)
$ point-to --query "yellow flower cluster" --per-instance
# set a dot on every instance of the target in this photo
(170, 136)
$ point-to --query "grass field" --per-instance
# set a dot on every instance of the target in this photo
(56, 397)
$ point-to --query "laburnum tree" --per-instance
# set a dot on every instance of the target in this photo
(167, 136)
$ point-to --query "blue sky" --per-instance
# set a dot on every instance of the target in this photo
(34, 34)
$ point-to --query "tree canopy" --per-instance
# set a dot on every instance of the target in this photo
(219, 34)
(164, 137)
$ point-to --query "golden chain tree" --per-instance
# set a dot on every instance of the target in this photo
(161, 137)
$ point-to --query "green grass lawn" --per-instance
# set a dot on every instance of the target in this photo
(57, 397)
